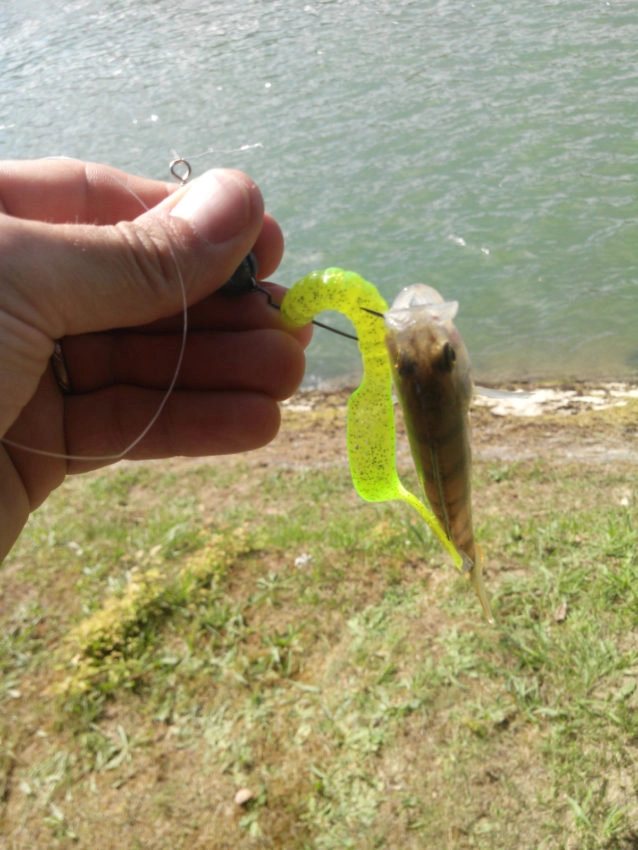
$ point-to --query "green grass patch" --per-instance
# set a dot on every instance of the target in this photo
(171, 637)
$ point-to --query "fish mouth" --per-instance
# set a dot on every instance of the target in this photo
(419, 302)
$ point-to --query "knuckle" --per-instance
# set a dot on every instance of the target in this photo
(149, 258)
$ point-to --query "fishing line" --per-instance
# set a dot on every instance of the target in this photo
(167, 393)
(209, 151)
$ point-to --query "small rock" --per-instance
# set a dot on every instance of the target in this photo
(303, 560)
(243, 796)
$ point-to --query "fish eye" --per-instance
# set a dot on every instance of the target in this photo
(448, 357)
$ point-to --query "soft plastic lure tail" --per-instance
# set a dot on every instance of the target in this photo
(370, 425)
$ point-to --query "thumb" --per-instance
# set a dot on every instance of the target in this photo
(71, 279)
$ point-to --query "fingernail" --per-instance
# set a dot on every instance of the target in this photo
(216, 205)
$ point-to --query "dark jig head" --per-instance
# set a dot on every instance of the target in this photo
(244, 279)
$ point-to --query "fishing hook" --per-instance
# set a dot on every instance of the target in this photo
(244, 278)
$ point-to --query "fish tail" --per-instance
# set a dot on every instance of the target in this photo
(476, 580)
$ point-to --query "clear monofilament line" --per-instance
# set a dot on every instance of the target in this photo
(167, 394)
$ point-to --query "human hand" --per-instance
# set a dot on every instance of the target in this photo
(109, 286)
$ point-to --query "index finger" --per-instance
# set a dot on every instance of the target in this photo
(63, 191)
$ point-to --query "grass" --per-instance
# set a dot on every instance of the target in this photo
(172, 635)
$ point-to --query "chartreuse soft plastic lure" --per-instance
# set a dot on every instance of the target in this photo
(370, 425)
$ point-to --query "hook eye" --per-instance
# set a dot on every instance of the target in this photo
(181, 170)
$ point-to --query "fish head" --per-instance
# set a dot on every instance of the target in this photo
(423, 341)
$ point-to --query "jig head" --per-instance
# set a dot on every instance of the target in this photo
(244, 278)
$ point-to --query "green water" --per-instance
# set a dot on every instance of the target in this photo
(488, 148)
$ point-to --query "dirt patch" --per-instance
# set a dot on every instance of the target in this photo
(589, 422)
(562, 424)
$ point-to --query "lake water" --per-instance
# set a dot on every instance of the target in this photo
(488, 148)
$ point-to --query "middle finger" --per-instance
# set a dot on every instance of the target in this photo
(265, 360)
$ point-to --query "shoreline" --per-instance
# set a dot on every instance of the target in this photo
(503, 398)
(585, 421)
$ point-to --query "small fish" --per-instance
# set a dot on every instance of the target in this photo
(431, 373)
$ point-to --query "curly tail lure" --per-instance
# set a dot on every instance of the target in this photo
(370, 424)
